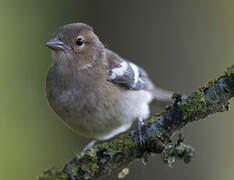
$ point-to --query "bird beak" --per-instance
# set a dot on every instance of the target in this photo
(55, 44)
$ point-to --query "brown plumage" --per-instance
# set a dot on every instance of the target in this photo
(96, 92)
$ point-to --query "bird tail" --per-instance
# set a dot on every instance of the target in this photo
(162, 95)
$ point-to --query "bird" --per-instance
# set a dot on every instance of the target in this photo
(96, 92)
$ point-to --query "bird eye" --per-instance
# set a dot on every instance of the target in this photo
(80, 41)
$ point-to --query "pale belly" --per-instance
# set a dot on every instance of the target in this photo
(111, 121)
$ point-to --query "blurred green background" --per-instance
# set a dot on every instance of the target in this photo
(182, 44)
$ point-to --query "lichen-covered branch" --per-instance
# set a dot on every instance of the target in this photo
(156, 134)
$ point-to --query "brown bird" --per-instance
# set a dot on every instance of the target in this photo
(96, 92)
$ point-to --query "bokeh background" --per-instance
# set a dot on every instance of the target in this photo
(182, 44)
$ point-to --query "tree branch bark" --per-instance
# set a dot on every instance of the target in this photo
(101, 159)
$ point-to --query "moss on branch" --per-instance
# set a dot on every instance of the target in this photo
(156, 133)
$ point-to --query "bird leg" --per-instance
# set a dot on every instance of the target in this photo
(140, 124)
(68, 167)
(68, 164)
(89, 145)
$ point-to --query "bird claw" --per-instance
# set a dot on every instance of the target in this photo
(75, 159)
(68, 167)
(90, 144)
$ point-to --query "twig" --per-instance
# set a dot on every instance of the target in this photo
(156, 133)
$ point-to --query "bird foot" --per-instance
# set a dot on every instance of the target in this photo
(89, 145)
(68, 167)
(75, 159)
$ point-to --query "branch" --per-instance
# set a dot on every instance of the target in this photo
(101, 159)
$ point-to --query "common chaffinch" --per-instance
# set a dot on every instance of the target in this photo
(96, 92)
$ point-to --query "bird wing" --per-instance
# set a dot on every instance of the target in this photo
(128, 75)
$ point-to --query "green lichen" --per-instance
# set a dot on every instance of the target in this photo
(90, 168)
(207, 85)
(117, 145)
(192, 104)
(177, 151)
(229, 71)
(153, 119)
